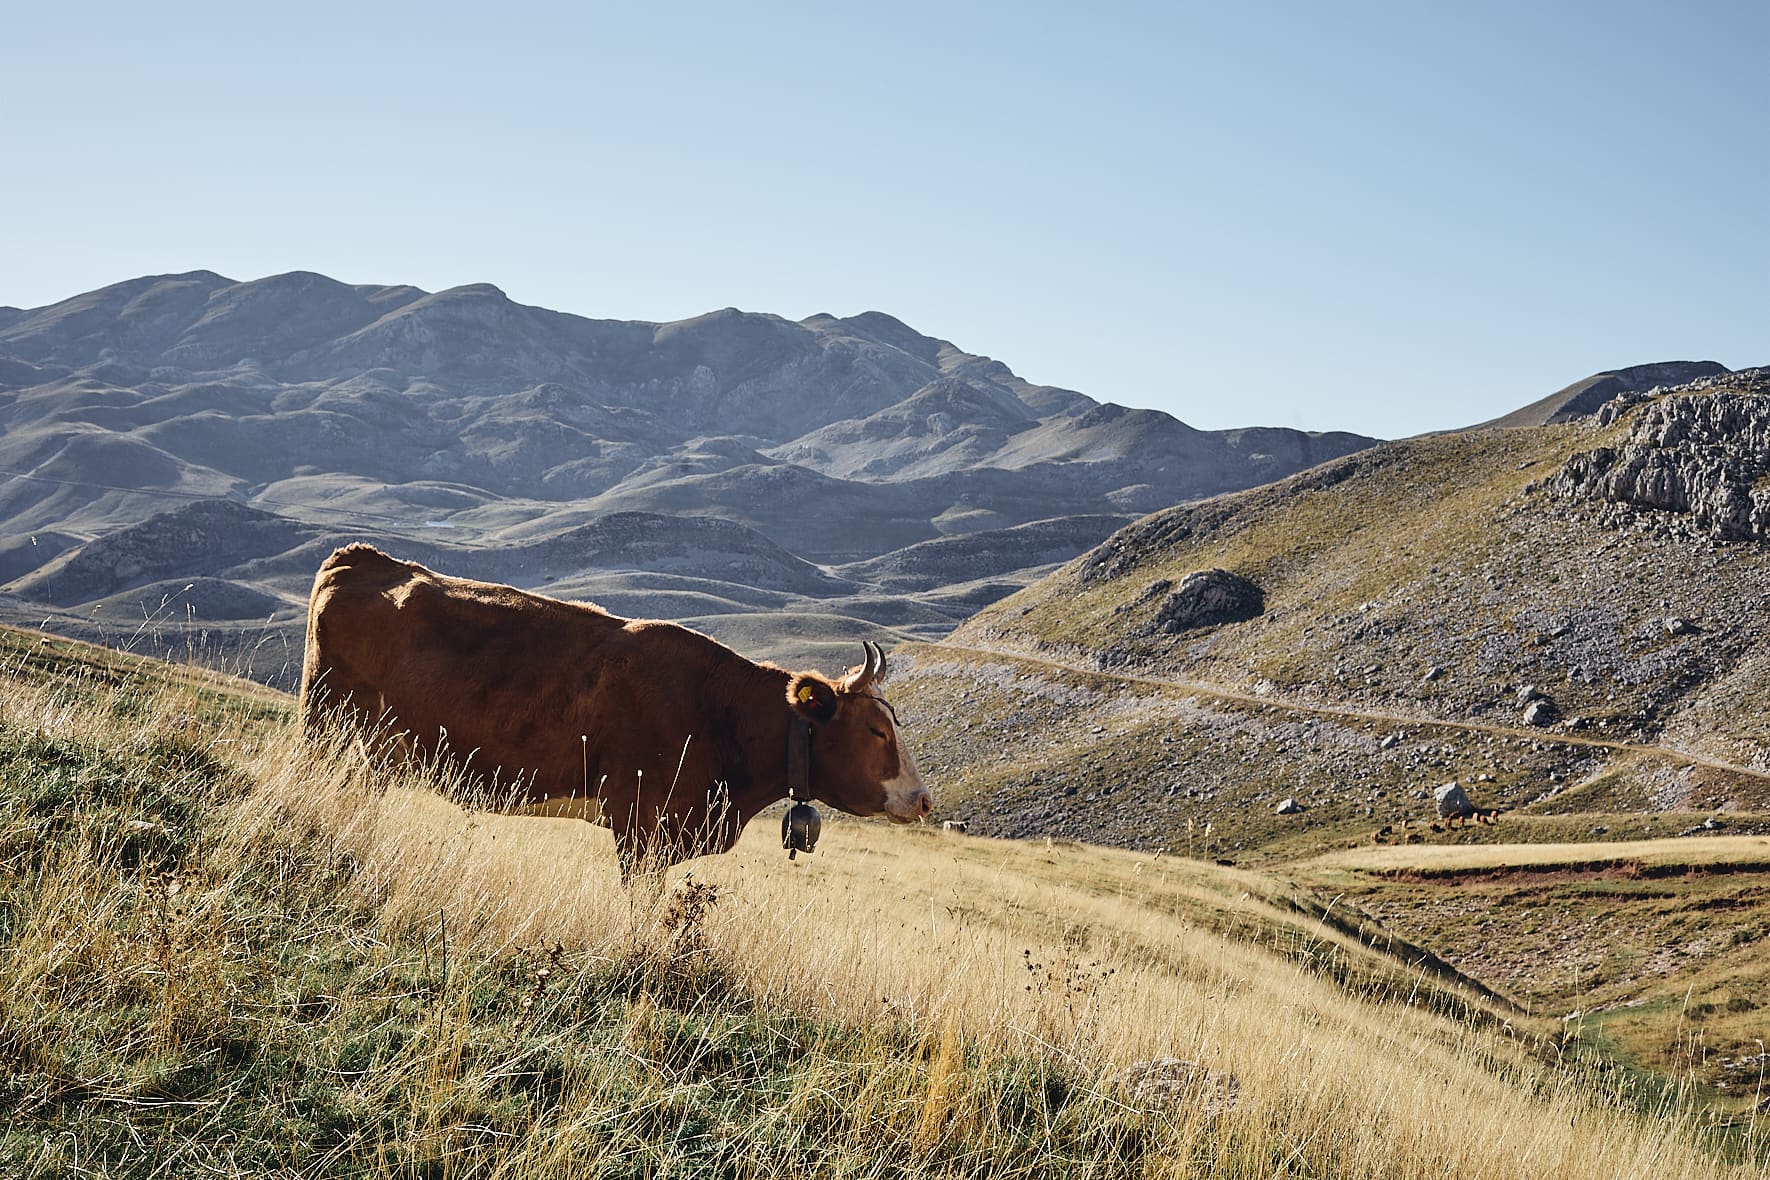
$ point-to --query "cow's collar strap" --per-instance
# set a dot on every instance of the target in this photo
(798, 758)
(800, 825)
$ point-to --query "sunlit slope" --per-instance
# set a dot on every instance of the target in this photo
(199, 912)
(1025, 746)
(1651, 952)
(1437, 577)
(1453, 608)
(1414, 602)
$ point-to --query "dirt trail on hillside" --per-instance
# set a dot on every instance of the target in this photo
(1226, 693)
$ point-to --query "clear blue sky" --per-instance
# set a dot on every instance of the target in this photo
(1378, 217)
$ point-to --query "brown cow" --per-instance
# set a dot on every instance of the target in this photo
(677, 738)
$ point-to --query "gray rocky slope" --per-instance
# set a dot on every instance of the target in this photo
(471, 430)
(1571, 620)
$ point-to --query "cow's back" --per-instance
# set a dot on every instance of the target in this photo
(353, 631)
(484, 668)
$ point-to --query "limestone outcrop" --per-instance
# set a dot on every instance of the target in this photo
(1703, 454)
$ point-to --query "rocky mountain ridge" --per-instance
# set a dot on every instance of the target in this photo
(1701, 450)
(251, 382)
(469, 428)
(1589, 395)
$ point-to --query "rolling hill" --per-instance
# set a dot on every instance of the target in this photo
(1610, 571)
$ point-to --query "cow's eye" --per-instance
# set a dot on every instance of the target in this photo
(878, 733)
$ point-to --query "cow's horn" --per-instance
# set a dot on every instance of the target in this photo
(874, 659)
(879, 670)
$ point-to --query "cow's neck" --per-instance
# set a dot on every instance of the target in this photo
(762, 777)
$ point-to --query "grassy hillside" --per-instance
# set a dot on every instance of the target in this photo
(1439, 577)
(1650, 952)
(222, 955)
(1441, 609)
(1414, 600)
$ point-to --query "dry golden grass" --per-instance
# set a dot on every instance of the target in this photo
(1695, 851)
(1089, 956)
(389, 945)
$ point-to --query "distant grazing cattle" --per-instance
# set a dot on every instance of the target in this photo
(674, 738)
(955, 825)
(1454, 807)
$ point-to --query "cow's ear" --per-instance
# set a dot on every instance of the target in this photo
(812, 697)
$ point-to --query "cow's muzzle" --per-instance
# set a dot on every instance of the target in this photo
(909, 806)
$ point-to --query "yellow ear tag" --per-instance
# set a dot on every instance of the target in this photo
(805, 694)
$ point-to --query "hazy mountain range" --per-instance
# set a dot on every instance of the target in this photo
(864, 474)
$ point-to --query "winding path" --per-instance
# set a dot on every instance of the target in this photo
(1224, 692)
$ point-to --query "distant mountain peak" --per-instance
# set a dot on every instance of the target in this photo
(294, 278)
(474, 291)
(892, 332)
(879, 321)
(1589, 394)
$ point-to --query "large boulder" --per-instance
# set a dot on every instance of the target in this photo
(1541, 713)
(1453, 802)
(1207, 598)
